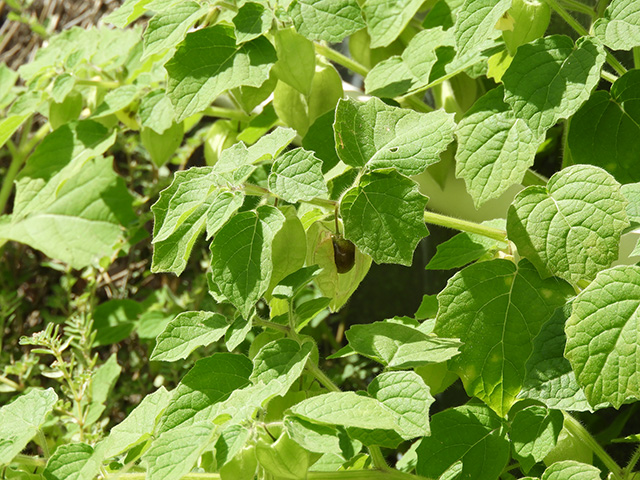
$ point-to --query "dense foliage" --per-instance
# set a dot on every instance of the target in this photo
(195, 189)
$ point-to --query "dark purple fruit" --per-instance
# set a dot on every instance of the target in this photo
(344, 253)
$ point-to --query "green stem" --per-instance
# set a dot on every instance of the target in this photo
(615, 64)
(378, 459)
(417, 104)
(341, 59)
(628, 470)
(29, 461)
(465, 226)
(10, 382)
(576, 429)
(261, 191)
(609, 77)
(97, 83)
(267, 324)
(533, 178)
(322, 377)
(579, 7)
(636, 57)
(221, 112)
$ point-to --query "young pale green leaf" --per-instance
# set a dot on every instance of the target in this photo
(230, 442)
(252, 20)
(530, 21)
(241, 256)
(327, 20)
(174, 453)
(379, 136)
(386, 20)
(62, 86)
(495, 148)
(407, 73)
(470, 434)
(102, 383)
(550, 78)
(280, 361)
(203, 389)
(571, 469)
(296, 63)
(289, 248)
(222, 207)
(571, 228)
(321, 438)
(602, 336)
(496, 309)
(619, 28)
(632, 193)
(337, 286)
(139, 424)
(549, 378)
(9, 126)
(534, 432)
(209, 62)
(80, 222)
(21, 419)
(165, 30)
(406, 394)
(284, 458)
(476, 23)
(396, 345)
(186, 332)
(384, 216)
(116, 100)
(297, 175)
(73, 461)
(156, 111)
(128, 12)
(606, 131)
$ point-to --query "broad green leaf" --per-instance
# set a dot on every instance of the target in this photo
(283, 459)
(570, 228)
(237, 332)
(128, 12)
(139, 424)
(211, 381)
(230, 442)
(102, 383)
(174, 453)
(496, 309)
(495, 148)
(571, 469)
(602, 336)
(327, 20)
(406, 394)
(8, 79)
(162, 147)
(471, 434)
(296, 63)
(288, 249)
(384, 216)
(114, 320)
(21, 419)
(156, 111)
(116, 100)
(534, 432)
(476, 23)
(252, 20)
(62, 86)
(297, 175)
(465, 248)
(78, 223)
(9, 126)
(379, 136)
(396, 345)
(186, 332)
(550, 78)
(241, 256)
(407, 73)
(386, 20)
(619, 28)
(632, 193)
(337, 286)
(606, 131)
(549, 378)
(165, 30)
(321, 438)
(209, 62)
(72, 461)
(378, 437)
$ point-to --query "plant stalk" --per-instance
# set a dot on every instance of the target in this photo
(341, 59)
(260, 191)
(465, 226)
(579, 7)
(221, 112)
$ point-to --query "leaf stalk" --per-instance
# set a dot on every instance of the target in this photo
(465, 226)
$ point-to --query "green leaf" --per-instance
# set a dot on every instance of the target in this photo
(128, 12)
(203, 389)
(321, 438)
(619, 28)
(606, 130)
(495, 148)
(290, 286)
(386, 20)
(534, 432)
(252, 21)
(289, 248)
(549, 378)
(602, 336)
(9, 126)
(571, 469)
(62, 86)
(102, 384)
(379, 136)
(496, 309)
(241, 256)
(550, 78)
(114, 320)
(162, 147)
(297, 175)
(21, 419)
(632, 193)
(237, 332)
(138, 425)
(407, 73)
(73, 461)
(156, 111)
(174, 453)
(406, 394)
(230, 442)
(472, 434)
(326, 20)
(296, 63)
(116, 100)
(572, 227)
(284, 458)
(396, 345)
(194, 83)
(186, 332)
(476, 23)
(165, 30)
(383, 216)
